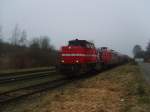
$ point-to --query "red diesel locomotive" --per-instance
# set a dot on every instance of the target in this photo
(81, 56)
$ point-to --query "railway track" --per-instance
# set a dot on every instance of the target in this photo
(25, 77)
(18, 76)
(23, 92)
(24, 71)
(26, 91)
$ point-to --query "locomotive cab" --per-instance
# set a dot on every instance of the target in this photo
(78, 56)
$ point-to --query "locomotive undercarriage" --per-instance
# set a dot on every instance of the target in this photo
(77, 69)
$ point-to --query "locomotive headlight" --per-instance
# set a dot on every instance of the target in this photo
(62, 61)
(77, 61)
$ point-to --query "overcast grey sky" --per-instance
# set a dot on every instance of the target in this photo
(119, 24)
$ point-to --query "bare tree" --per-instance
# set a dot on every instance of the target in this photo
(15, 36)
(147, 53)
(35, 43)
(1, 40)
(138, 52)
(148, 48)
(1, 34)
(23, 38)
(44, 42)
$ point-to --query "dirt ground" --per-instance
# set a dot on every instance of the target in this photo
(115, 90)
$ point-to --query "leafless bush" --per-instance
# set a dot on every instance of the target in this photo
(23, 53)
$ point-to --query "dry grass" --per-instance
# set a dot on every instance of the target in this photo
(118, 90)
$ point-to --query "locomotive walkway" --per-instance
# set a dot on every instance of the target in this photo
(145, 68)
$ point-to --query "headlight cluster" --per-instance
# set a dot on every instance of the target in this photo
(77, 61)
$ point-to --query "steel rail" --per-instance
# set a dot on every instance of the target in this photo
(20, 72)
(24, 77)
(26, 91)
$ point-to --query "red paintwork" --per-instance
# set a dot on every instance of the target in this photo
(84, 55)
(106, 56)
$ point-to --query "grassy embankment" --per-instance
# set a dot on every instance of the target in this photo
(137, 92)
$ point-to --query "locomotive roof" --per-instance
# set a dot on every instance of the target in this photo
(81, 41)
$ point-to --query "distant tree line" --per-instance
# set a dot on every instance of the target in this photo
(20, 52)
(140, 53)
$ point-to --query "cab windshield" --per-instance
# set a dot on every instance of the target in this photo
(81, 43)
